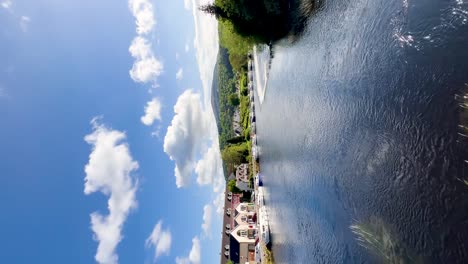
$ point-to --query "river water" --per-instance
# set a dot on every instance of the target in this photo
(360, 129)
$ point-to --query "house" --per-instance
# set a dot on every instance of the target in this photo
(230, 206)
(244, 234)
(242, 177)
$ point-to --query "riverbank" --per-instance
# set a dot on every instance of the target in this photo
(264, 246)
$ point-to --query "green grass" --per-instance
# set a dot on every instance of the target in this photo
(268, 256)
(245, 116)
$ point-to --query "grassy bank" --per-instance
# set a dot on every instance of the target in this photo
(267, 257)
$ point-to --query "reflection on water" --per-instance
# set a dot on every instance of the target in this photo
(364, 116)
(262, 64)
(376, 237)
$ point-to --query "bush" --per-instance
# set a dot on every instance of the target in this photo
(234, 99)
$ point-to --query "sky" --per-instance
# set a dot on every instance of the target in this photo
(108, 144)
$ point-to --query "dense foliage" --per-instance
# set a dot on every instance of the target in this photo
(259, 20)
(232, 187)
(244, 106)
(235, 154)
(234, 99)
(238, 47)
(226, 83)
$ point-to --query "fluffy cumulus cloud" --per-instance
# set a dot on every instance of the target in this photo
(152, 112)
(180, 74)
(209, 169)
(219, 203)
(185, 135)
(109, 171)
(7, 4)
(194, 256)
(207, 214)
(143, 12)
(193, 132)
(146, 67)
(160, 240)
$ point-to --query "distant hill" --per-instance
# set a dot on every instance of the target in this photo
(223, 85)
(215, 94)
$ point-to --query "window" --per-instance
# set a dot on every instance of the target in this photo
(242, 233)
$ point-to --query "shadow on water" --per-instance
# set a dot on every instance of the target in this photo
(462, 100)
(299, 13)
(378, 239)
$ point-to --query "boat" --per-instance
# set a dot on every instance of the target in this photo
(264, 226)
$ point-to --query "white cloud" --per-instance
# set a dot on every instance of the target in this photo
(187, 4)
(206, 45)
(24, 23)
(180, 74)
(140, 48)
(146, 70)
(207, 214)
(6, 4)
(209, 169)
(194, 256)
(177, 56)
(152, 112)
(146, 67)
(185, 135)
(187, 47)
(219, 203)
(160, 240)
(181, 145)
(143, 12)
(109, 171)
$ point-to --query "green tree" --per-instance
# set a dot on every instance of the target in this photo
(236, 140)
(234, 99)
(261, 20)
(235, 154)
(232, 187)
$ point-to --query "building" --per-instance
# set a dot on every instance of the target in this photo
(242, 177)
(231, 202)
(244, 234)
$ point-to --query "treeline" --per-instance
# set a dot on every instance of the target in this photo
(262, 21)
(226, 84)
(237, 46)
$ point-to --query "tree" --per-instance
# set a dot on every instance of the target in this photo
(235, 154)
(234, 99)
(232, 187)
(236, 140)
(214, 10)
(261, 20)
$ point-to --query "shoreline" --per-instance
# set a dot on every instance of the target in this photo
(267, 253)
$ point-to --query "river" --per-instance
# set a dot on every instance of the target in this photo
(360, 126)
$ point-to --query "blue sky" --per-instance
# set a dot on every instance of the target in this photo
(108, 145)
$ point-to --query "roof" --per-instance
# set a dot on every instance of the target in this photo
(226, 220)
(225, 240)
